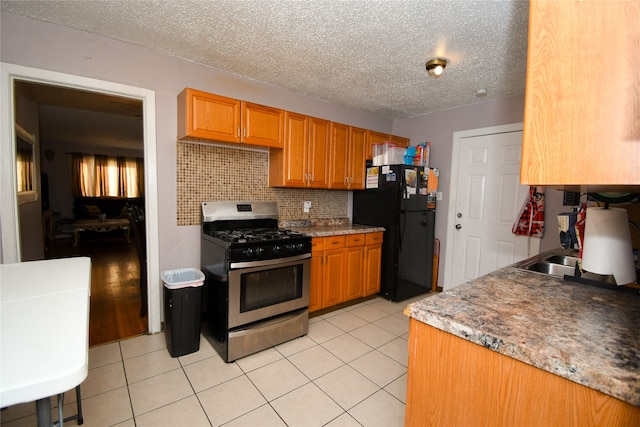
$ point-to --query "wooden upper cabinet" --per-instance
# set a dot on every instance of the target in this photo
(204, 115)
(304, 160)
(288, 167)
(339, 157)
(400, 141)
(318, 162)
(357, 161)
(582, 109)
(263, 126)
(374, 138)
(207, 116)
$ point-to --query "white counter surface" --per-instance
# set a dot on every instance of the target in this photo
(44, 323)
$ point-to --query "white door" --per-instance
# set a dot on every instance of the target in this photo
(486, 201)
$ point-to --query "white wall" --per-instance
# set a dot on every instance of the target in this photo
(438, 128)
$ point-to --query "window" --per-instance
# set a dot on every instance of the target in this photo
(99, 175)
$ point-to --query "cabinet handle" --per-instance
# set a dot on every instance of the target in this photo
(245, 132)
(238, 133)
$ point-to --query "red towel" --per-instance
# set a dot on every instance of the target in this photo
(530, 221)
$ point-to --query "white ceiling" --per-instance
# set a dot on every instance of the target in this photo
(368, 54)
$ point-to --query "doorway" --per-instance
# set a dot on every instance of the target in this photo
(9, 208)
(487, 196)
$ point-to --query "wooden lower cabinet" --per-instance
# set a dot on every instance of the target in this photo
(344, 268)
(372, 264)
(454, 382)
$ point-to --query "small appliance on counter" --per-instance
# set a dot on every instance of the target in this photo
(397, 197)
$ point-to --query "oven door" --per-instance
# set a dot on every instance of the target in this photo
(259, 290)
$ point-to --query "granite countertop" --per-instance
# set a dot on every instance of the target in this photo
(328, 227)
(580, 332)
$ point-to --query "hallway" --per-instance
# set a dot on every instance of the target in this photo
(115, 292)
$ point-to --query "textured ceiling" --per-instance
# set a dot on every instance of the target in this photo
(368, 55)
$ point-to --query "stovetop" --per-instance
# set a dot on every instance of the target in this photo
(249, 235)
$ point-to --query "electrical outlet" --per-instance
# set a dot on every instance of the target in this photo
(439, 195)
(306, 206)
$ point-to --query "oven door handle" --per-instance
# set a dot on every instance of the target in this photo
(268, 262)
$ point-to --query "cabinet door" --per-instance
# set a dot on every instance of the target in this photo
(207, 116)
(354, 266)
(338, 156)
(374, 138)
(319, 139)
(372, 264)
(262, 126)
(288, 167)
(315, 291)
(400, 141)
(581, 121)
(333, 277)
(357, 163)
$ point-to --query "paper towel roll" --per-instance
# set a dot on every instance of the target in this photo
(607, 244)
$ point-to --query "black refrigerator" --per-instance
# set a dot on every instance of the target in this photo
(396, 199)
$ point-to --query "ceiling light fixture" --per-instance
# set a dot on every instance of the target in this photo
(435, 67)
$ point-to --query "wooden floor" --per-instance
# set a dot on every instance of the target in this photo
(115, 290)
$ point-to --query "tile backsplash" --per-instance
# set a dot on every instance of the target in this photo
(212, 173)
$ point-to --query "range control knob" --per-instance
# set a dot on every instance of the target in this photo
(276, 249)
(248, 252)
(258, 251)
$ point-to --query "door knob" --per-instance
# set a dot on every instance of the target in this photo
(458, 226)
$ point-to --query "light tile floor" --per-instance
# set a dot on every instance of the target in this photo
(349, 370)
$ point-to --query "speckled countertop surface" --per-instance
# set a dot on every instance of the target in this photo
(330, 227)
(583, 333)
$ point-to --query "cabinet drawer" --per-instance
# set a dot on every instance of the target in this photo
(334, 242)
(374, 238)
(355, 240)
(317, 244)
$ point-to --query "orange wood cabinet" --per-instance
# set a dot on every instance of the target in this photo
(315, 287)
(304, 160)
(372, 264)
(454, 382)
(346, 157)
(333, 269)
(380, 138)
(203, 115)
(400, 141)
(582, 117)
(354, 267)
(343, 268)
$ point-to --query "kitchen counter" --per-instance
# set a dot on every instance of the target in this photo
(583, 333)
(324, 228)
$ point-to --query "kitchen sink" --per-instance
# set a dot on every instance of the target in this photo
(562, 264)
(562, 260)
(551, 269)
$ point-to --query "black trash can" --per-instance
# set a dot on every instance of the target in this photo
(182, 310)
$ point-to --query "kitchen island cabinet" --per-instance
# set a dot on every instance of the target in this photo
(205, 116)
(582, 110)
(518, 348)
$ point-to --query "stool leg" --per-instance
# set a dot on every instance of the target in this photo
(79, 403)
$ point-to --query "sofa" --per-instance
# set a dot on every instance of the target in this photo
(112, 207)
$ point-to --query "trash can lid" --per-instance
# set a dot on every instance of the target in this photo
(182, 278)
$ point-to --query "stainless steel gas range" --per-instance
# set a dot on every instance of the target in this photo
(257, 278)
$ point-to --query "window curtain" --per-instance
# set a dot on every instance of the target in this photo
(24, 164)
(101, 175)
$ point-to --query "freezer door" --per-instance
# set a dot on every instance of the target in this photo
(415, 263)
